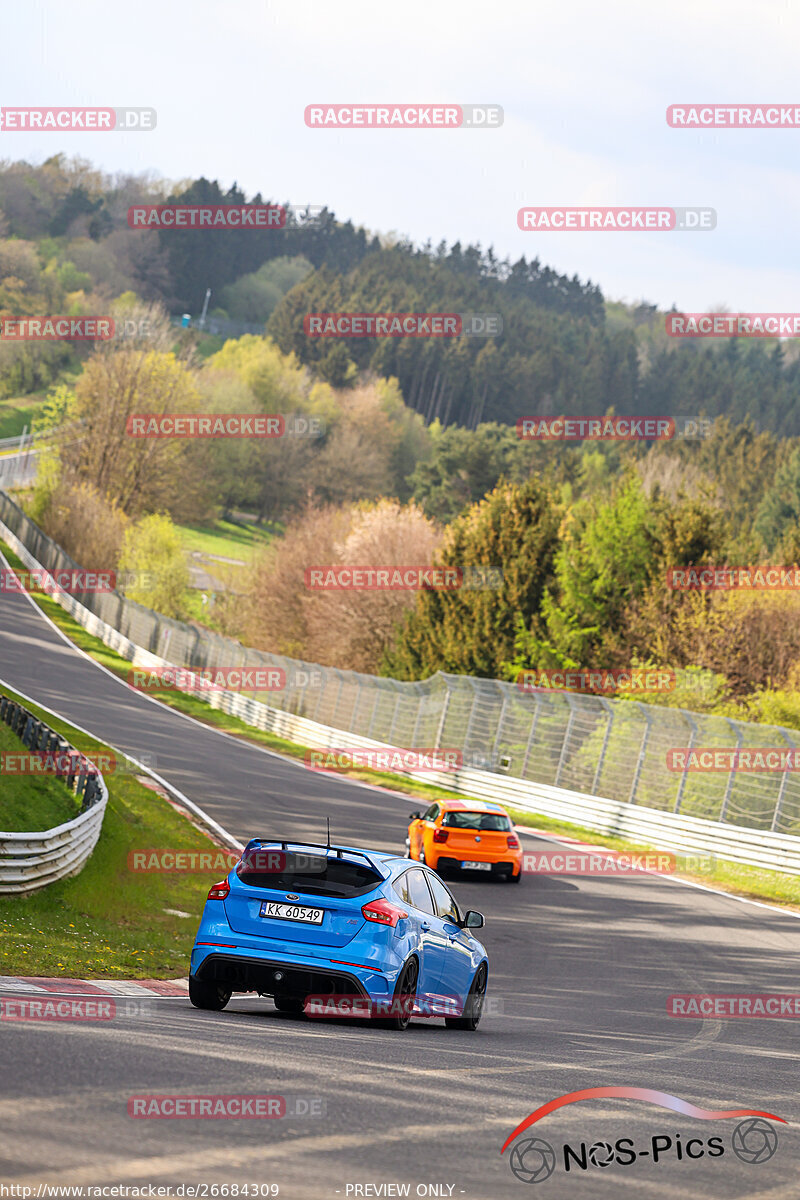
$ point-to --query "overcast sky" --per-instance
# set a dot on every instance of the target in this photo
(584, 87)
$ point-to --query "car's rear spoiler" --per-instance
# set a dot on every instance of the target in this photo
(285, 845)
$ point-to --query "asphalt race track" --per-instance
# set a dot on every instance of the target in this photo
(580, 972)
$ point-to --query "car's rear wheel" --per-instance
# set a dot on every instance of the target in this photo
(514, 878)
(473, 1005)
(405, 993)
(208, 994)
(293, 1005)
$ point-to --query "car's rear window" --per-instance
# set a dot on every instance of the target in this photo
(490, 822)
(306, 871)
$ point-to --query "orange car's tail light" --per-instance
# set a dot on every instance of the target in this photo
(440, 835)
(219, 891)
(513, 841)
(383, 913)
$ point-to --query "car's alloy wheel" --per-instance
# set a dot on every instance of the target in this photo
(208, 994)
(473, 1005)
(404, 995)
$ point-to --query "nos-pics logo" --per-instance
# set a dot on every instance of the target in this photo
(533, 1160)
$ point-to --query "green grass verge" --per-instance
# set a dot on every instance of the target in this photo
(17, 412)
(28, 803)
(228, 539)
(752, 882)
(109, 920)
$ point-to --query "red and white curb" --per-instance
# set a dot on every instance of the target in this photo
(44, 985)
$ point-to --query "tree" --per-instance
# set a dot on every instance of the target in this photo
(152, 558)
(138, 474)
(471, 630)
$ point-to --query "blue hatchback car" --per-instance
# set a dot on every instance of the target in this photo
(295, 920)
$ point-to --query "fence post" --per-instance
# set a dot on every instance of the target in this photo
(642, 749)
(685, 775)
(531, 735)
(499, 733)
(606, 735)
(732, 772)
(398, 696)
(471, 716)
(776, 816)
(355, 706)
(443, 717)
(420, 701)
(377, 690)
(567, 734)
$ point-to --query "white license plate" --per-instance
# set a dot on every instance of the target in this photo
(470, 866)
(292, 912)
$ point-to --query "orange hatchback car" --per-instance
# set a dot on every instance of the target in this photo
(459, 835)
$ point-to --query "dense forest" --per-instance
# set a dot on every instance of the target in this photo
(65, 245)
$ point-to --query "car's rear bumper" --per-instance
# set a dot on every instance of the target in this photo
(453, 862)
(246, 971)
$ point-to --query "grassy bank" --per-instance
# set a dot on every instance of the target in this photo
(110, 920)
(774, 887)
(31, 803)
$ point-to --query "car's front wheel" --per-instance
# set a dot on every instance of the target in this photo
(405, 994)
(208, 994)
(473, 1005)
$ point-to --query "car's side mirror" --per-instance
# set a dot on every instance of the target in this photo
(415, 816)
(473, 920)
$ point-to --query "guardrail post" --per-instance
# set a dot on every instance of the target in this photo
(731, 773)
(531, 735)
(567, 733)
(685, 775)
(606, 736)
(642, 749)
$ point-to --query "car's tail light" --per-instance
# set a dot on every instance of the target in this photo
(440, 835)
(383, 913)
(220, 890)
(513, 841)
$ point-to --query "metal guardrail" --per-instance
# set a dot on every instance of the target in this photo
(610, 751)
(29, 861)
